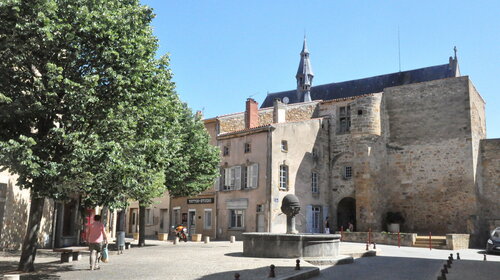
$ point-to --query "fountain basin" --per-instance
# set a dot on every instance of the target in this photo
(275, 245)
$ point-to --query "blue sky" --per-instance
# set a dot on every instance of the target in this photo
(223, 52)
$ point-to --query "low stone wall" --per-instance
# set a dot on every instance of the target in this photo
(407, 239)
(457, 241)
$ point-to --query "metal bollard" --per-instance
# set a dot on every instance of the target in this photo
(484, 258)
(443, 275)
(458, 256)
(367, 246)
(272, 274)
(374, 245)
(451, 256)
(450, 259)
(448, 263)
(232, 238)
(207, 239)
(297, 265)
(236, 276)
(445, 268)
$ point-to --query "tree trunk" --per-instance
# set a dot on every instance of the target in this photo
(31, 239)
(142, 225)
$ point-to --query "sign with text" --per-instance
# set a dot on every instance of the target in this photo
(200, 200)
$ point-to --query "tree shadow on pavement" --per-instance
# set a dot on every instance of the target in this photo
(43, 271)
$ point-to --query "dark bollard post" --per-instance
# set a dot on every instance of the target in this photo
(272, 274)
(484, 257)
(449, 263)
(451, 256)
(450, 259)
(236, 276)
(430, 241)
(445, 268)
(374, 245)
(458, 256)
(297, 265)
(367, 246)
(443, 275)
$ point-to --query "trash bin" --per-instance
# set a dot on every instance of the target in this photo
(120, 240)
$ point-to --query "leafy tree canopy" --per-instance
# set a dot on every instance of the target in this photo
(84, 104)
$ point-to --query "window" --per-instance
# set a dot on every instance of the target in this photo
(208, 219)
(232, 180)
(260, 208)
(347, 172)
(283, 177)
(345, 119)
(315, 153)
(176, 215)
(252, 174)
(222, 179)
(244, 177)
(248, 148)
(284, 146)
(314, 183)
(316, 219)
(149, 217)
(237, 218)
(225, 151)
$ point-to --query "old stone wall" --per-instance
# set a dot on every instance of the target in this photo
(489, 190)
(230, 123)
(365, 115)
(430, 176)
(457, 241)
(428, 112)
(405, 239)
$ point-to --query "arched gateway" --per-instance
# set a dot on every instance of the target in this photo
(346, 212)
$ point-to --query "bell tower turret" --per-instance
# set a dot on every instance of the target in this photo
(304, 75)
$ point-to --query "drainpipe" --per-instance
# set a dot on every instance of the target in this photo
(269, 176)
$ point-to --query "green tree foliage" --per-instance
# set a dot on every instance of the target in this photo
(195, 166)
(86, 108)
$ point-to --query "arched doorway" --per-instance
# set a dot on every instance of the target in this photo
(346, 212)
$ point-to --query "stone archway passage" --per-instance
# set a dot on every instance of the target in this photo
(346, 212)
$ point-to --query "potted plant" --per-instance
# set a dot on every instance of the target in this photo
(394, 220)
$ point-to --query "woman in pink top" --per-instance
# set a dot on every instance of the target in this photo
(95, 237)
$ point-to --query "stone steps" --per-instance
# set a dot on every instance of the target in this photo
(437, 242)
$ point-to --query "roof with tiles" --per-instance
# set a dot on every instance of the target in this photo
(369, 85)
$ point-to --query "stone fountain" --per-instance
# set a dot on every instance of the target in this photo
(291, 244)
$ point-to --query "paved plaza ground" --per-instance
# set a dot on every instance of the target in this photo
(221, 260)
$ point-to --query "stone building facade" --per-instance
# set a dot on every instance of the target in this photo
(411, 142)
(14, 210)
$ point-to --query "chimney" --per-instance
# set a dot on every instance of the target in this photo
(279, 111)
(251, 114)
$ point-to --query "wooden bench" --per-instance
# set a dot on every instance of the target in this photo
(69, 254)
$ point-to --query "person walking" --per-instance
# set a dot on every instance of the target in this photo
(327, 226)
(96, 235)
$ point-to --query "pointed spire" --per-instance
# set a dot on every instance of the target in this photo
(304, 47)
(304, 75)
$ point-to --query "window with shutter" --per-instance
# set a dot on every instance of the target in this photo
(227, 179)
(237, 178)
(254, 175)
